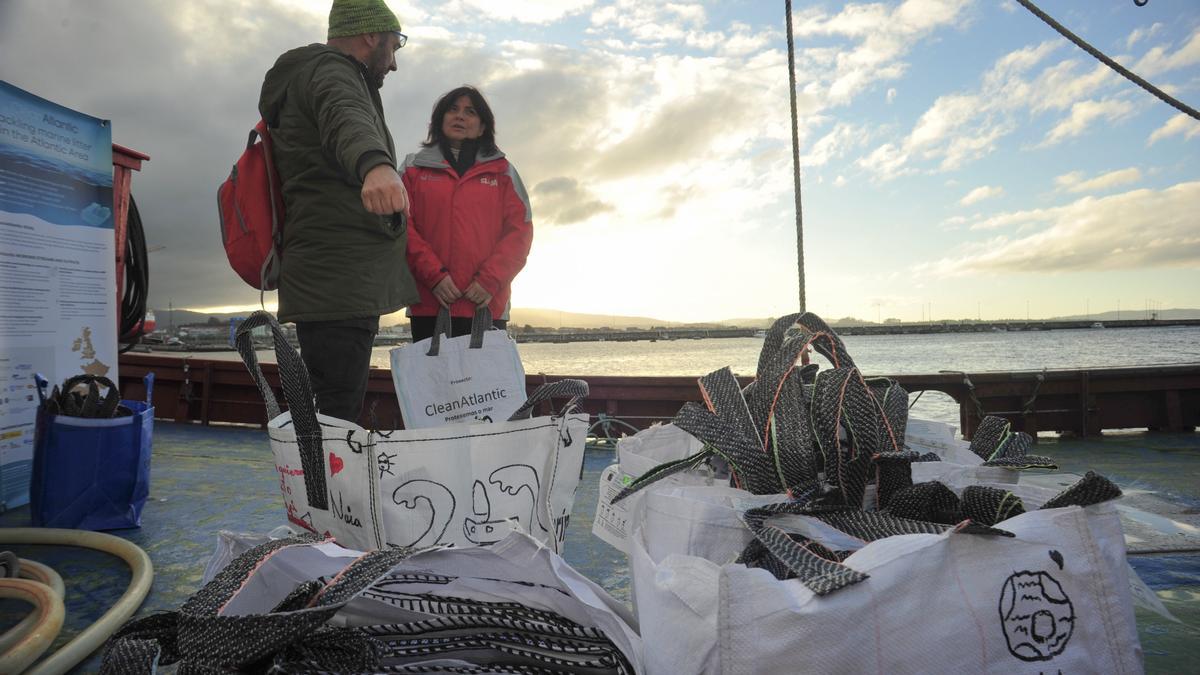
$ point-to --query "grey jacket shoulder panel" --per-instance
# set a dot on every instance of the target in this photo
(519, 188)
(429, 158)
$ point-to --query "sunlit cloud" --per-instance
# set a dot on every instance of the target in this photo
(1075, 181)
(962, 127)
(1086, 113)
(1180, 124)
(1133, 230)
(270, 306)
(981, 193)
(562, 201)
(833, 144)
(884, 35)
(1139, 34)
(887, 161)
(658, 134)
(1162, 59)
(520, 11)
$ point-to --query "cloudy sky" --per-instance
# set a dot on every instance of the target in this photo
(959, 158)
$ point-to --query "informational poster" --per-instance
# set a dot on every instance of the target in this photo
(57, 266)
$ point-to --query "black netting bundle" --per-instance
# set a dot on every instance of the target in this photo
(833, 441)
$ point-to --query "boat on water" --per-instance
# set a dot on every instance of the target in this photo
(1097, 324)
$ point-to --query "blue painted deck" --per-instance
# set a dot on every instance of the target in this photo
(205, 479)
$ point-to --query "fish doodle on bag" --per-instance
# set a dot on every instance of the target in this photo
(513, 498)
(508, 497)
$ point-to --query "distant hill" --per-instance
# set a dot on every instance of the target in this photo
(520, 316)
(1133, 313)
(760, 322)
(165, 318)
(552, 318)
(542, 318)
(767, 321)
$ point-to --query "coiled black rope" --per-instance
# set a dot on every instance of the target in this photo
(137, 280)
(80, 396)
(1127, 74)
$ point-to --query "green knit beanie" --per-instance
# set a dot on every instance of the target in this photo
(358, 17)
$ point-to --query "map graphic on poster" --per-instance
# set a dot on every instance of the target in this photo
(57, 271)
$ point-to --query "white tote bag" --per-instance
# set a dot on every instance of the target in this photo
(300, 604)
(1054, 597)
(636, 455)
(460, 485)
(461, 380)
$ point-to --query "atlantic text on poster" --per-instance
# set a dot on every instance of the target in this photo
(57, 276)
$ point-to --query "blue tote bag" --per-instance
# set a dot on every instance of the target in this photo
(92, 474)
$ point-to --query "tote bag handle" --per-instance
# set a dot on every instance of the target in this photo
(480, 324)
(573, 390)
(201, 639)
(298, 392)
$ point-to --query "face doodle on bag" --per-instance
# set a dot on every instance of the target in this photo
(1036, 614)
(513, 496)
(384, 460)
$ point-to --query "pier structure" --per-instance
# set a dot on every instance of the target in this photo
(1081, 402)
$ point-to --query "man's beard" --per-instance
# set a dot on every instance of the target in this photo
(379, 64)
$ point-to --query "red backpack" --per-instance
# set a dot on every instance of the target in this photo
(251, 211)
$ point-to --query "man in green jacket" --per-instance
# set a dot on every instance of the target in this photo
(345, 234)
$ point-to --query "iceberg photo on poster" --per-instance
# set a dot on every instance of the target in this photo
(57, 264)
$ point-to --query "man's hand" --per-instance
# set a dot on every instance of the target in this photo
(477, 294)
(383, 192)
(446, 292)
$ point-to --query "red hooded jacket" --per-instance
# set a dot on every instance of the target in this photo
(475, 227)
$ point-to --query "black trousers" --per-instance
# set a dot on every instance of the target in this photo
(338, 357)
(422, 326)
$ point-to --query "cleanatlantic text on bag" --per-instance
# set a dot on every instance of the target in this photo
(466, 402)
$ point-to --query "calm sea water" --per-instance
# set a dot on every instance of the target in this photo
(877, 355)
(874, 354)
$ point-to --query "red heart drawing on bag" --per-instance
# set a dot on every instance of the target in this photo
(335, 464)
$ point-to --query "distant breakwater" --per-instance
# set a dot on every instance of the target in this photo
(654, 335)
(867, 329)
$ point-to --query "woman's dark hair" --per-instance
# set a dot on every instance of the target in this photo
(487, 141)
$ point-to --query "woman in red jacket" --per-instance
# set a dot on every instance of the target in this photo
(471, 224)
